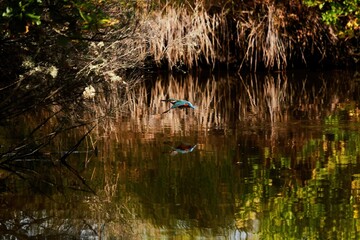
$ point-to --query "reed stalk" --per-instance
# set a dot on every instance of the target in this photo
(181, 35)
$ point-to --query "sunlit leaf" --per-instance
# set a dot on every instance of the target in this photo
(8, 12)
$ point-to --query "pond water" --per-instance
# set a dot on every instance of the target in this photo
(261, 157)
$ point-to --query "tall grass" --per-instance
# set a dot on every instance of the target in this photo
(269, 35)
(264, 41)
(181, 35)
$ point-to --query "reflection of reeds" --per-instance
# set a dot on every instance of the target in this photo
(218, 102)
(268, 101)
(221, 102)
(231, 99)
(205, 96)
(275, 97)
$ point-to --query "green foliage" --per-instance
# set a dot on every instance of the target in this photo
(18, 16)
(22, 13)
(91, 14)
(345, 15)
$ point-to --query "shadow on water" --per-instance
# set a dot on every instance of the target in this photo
(273, 156)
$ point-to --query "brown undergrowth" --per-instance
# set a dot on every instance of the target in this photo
(269, 35)
(180, 35)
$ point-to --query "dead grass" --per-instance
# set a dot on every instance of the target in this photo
(181, 35)
(271, 36)
(277, 36)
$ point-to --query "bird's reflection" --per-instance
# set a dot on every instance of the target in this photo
(182, 148)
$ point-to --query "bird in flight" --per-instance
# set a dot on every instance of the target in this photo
(182, 148)
(178, 104)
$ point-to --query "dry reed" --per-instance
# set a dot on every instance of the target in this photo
(265, 42)
(181, 36)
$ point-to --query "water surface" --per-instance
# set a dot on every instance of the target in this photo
(262, 157)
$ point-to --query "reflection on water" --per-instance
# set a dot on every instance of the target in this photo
(182, 148)
(260, 158)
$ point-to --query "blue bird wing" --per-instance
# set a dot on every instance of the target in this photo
(181, 104)
(177, 104)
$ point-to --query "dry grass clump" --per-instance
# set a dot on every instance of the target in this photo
(181, 36)
(276, 36)
(265, 43)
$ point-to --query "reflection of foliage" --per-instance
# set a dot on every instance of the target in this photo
(319, 207)
(29, 147)
(41, 182)
(27, 225)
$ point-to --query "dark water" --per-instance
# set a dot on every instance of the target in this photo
(253, 161)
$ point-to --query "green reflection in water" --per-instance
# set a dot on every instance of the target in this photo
(243, 184)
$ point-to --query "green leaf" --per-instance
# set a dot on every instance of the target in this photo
(33, 16)
(8, 12)
(85, 17)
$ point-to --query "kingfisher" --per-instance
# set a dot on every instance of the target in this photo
(183, 148)
(178, 104)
